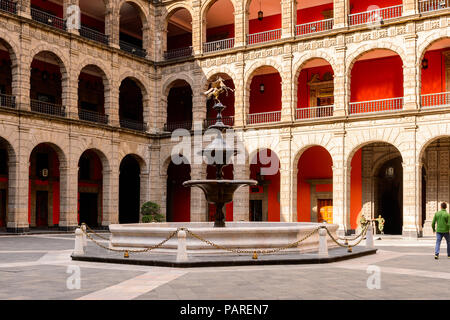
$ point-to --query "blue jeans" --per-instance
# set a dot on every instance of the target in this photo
(439, 236)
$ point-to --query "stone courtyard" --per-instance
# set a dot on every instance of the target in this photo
(39, 267)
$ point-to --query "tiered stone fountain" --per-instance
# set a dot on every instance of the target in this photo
(245, 235)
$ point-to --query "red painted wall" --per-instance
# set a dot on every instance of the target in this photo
(266, 24)
(181, 203)
(227, 174)
(355, 189)
(303, 92)
(313, 13)
(377, 79)
(433, 78)
(180, 41)
(268, 101)
(315, 163)
(274, 186)
(363, 5)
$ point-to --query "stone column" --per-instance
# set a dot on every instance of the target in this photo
(112, 25)
(110, 196)
(288, 18)
(144, 189)
(24, 8)
(341, 83)
(285, 196)
(68, 218)
(199, 206)
(411, 192)
(198, 100)
(18, 176)
(197, 27)
(146, 106)
(22, 72)
(71, 16)
(432, 204)
(70, 95)
(341, 186)
(239, 93)
(157, 177)
(112, 108)
(410, 7)
(287, 111)
(411, 81)
(146, 41)
(341, 11)
(242, 196)
(240, 25)
(366, 182)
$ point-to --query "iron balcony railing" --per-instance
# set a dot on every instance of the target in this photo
(92, 116)
(8, 6)
(229, 121)
(172, 126)
(315, 26)
(7, 101)
(433, 5)
(133, 49)
(48, 19)
(375, 106)
(93, 35)
(265, 36)
(314, 112)
(48, 108)
(375, 16)
(264, 117)
(441, 99)
(133, 124)
(178, 53)
(218, 45)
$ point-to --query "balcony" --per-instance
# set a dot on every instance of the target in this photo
(133, 124)
(218, 45)
(133, 49)
(264, 117)
(48, 108)
(435, 100)
(48, 19)
(376, 106)
(375, 16)
(174, 125)
(265, 36)
(7, 101)
(312, 27)
(314, 112)
(92, 116)
(8, 6)
(433, 5)
(178, 53)
(94, 35)
(229, 121)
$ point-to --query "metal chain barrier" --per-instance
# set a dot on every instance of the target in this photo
(255, 252)
(92, 231)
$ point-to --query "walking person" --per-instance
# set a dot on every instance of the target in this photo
(442, 219)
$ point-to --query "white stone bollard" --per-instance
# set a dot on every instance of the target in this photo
(79, 249)
(182, 251)
(84, 230)
(323, 245)
(369, 237)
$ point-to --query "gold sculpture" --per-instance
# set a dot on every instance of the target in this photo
(217, 88)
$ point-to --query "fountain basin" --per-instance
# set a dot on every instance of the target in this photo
(245, 235)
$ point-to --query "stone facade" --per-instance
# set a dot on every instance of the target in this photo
(410, 130)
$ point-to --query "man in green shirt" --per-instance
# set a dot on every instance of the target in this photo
(442, 219)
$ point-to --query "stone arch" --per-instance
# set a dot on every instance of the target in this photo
(11, 46)
(55, 145)
(141, 9)
(140, 159)
(172, 8)
(422, 50)
(138, 78)
(211, 73)
(168, 83)
(99, 65)
(61, 58)
(427, 139)
(98, 150)
(204, 12)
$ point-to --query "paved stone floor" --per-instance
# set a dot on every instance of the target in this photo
(39, 267)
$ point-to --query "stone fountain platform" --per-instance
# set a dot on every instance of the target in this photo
(243, 235)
